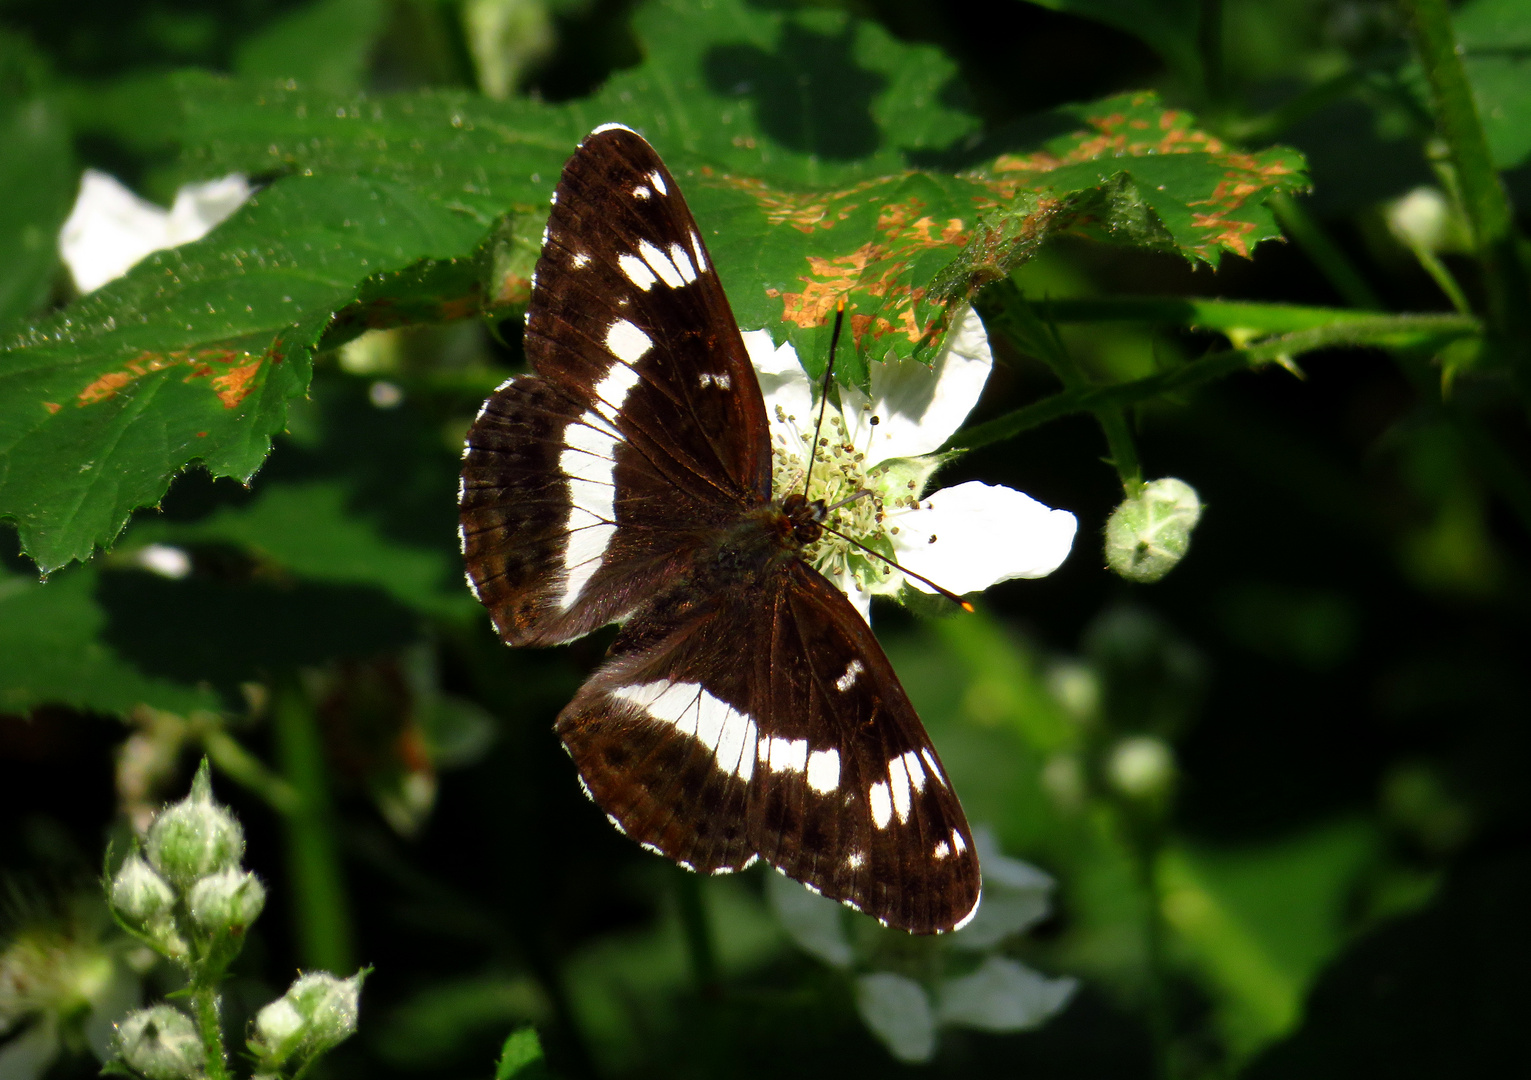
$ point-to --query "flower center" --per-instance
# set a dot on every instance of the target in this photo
(840, 475)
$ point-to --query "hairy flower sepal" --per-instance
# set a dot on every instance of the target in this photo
(963, 538)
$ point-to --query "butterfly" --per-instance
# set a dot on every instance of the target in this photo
(745, 710)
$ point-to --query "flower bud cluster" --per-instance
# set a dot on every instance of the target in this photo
(317, 1013)
(186, 892)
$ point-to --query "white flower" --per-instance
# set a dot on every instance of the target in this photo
(110, 228)
(963, 538)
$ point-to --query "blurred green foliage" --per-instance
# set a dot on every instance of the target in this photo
(1281, 794)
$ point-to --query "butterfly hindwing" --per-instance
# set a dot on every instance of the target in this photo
(800, 749)
(586, 485)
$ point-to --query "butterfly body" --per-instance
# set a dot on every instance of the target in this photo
(745, 710)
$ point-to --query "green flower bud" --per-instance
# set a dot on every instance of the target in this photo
(1141, 767)
(194, 837)
(138, 894)
(1149, 533)
(161, 1043)
(227, 902)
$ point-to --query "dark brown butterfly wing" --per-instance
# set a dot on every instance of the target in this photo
(764, 721)
(587, 485)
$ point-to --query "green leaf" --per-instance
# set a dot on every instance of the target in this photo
(1496, 37)
(521, 1057)
(1260, 923)
(37, 180)
(52, 652)
(193, 355)
(324, 45)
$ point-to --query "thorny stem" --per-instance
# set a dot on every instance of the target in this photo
(1381, 331)
(1483, 197)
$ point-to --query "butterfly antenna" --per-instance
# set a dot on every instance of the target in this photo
(829, 367)
(953, 597)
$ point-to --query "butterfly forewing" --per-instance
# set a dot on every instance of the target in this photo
(643, 428)
(745, 711)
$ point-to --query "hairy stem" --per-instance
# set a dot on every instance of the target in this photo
(206, 1006)
(320, 917)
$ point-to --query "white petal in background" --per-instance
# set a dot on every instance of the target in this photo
(110, 228)
(919, 406)
(1002, 995)
(984, 534)
(897, 1010)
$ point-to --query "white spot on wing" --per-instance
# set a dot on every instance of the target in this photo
(472, 586)
(588, 461)
(696, 250)
(658, 182)
(824, 770)
(899, 784)
(641, 192)
(943, 849)
(787, 755)
(691, 710)
(882, 809)
(855, 860)
(628, 344)
(660, 263)
(957, 841)
(682, 263)
(580, 260)
(935, 770)
(611, 127)
(916, 774)
(848, 680)
(615, 824)
(637, 272)
(722, 382)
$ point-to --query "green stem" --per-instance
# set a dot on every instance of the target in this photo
(1160, 1020)
(247, 770)
(1239, 317)
(1007, 311)
(699, 946)
(1483, 197)
(1442, 276)
(1382, 331)
(321, 920)
(1332, 262)
(207, 1007)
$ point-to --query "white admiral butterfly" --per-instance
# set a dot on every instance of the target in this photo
(745, 710)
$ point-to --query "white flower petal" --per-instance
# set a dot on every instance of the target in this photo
(110, 229)
(783, 382)
(919, 406)
(200, 207)
(984, 534)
